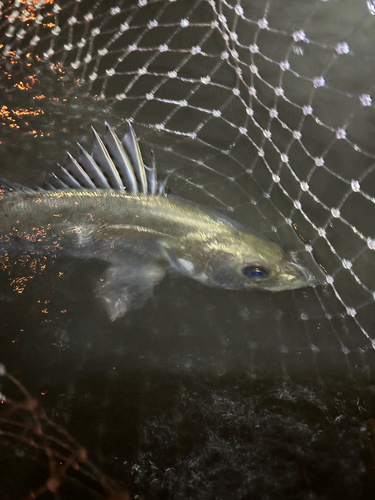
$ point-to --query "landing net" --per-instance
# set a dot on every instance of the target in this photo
(261, 109)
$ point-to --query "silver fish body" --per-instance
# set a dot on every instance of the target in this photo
(110, 206)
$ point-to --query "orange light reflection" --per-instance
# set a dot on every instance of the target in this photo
(28, 12)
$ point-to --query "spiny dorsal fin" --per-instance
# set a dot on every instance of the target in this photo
(114, 164)
(130, 142)
(13, 187)
(101, 154)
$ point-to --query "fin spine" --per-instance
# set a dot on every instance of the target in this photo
(113, 165)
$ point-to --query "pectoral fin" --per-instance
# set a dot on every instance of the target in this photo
(127, 285)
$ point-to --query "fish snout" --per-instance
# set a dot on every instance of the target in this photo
(297, 276)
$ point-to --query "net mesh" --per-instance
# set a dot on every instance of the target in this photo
(51, 462)
(264, 111)
(261, 109)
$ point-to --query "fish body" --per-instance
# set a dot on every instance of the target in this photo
(110, 206)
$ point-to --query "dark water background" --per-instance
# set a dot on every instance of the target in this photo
(203, 393)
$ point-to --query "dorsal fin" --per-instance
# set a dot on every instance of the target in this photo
(13, 187)
(130, 142)
(114, 164)
(105, 162)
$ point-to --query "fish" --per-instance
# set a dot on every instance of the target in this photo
(110, 206)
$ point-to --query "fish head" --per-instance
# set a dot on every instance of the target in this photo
(236, 259)
(243, 261)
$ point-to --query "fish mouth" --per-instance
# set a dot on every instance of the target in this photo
(293, 276)
(297, 276)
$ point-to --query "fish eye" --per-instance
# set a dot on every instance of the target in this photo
(256, 272)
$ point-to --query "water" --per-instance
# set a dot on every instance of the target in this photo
(203, 393)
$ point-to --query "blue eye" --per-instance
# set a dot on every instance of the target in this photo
(256, 272)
